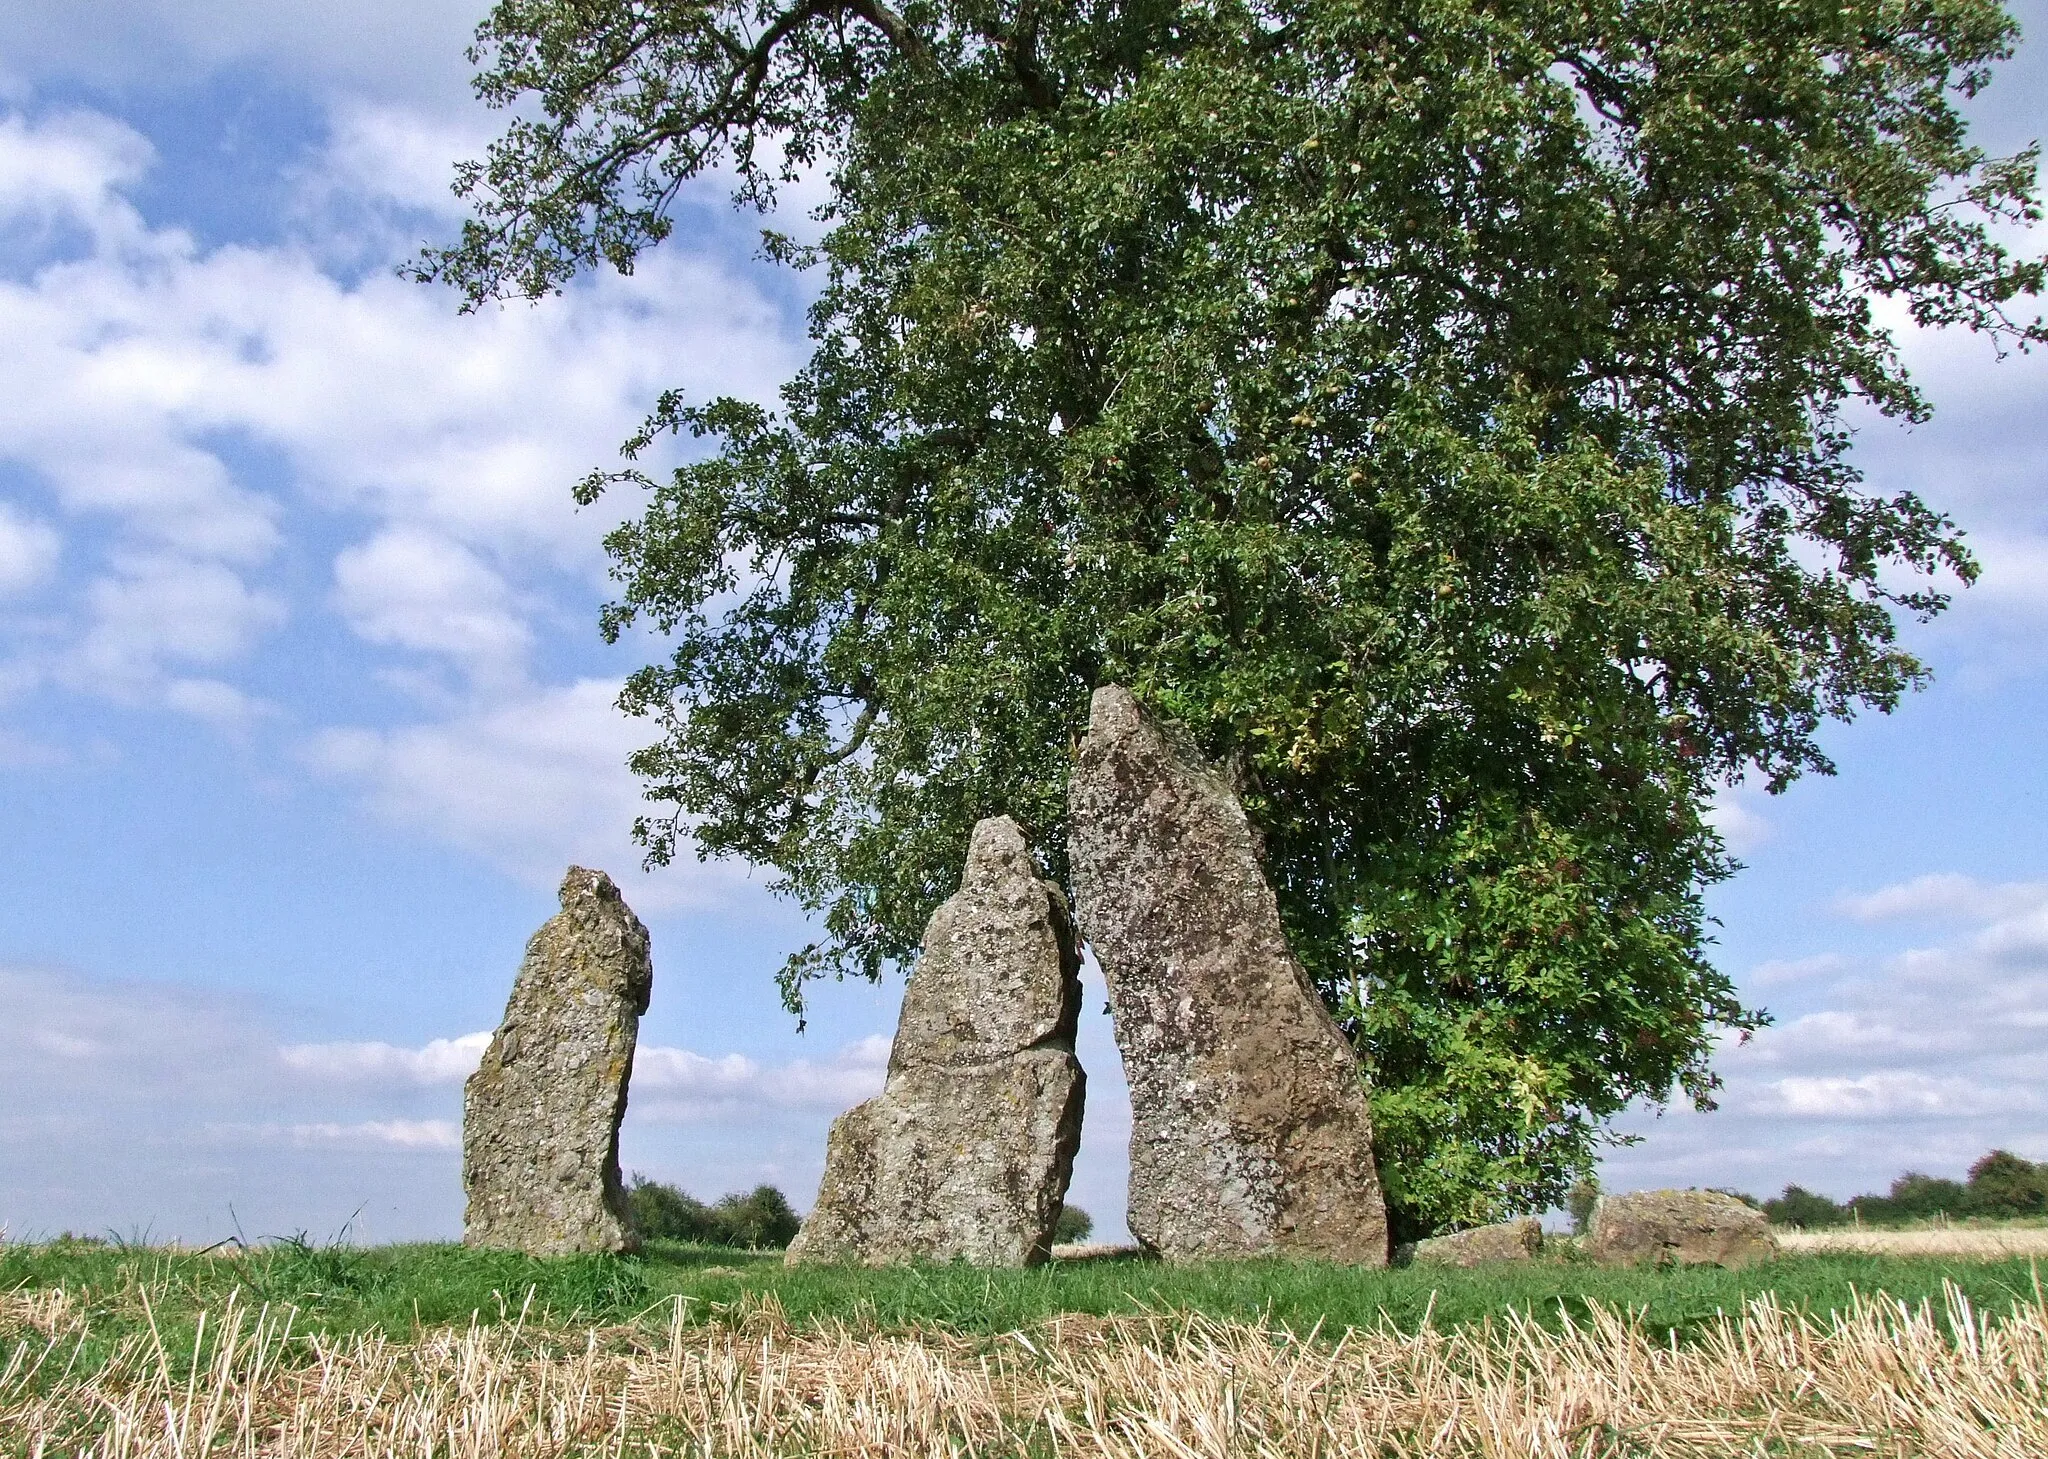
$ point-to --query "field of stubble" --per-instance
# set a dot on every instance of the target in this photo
(154, 1354)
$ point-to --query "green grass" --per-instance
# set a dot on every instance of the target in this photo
(339, 1289)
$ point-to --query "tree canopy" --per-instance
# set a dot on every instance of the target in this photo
(1437, 405)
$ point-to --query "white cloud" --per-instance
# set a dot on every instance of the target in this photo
(398, 156)
(67, 169)
(1981, 460)
(28, 550)
(151, 1106)
(219, 704)
(1945, 895)
(404, 48)
(1779, 972)
(530, 784)
(439, 1061)
(1737, 813)
(1943, 1048)
(414, 589)
(677, 1085)
(668, 1083)
(148, 373)
(435, 1135)
(155, 611)
(1893, 1094)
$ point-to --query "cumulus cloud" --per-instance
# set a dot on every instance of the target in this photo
(415, 589)
(1943, 1045)
(1737, 812)
(157, 611)
(68, 169)
(435, 1135)
(410, 49)
(186, 418)
(1892, 1094)
(439, 1061)
(676, 1085)
(1945, 895)
(669, 1084)
(154, 1106)
(28, 550)
(529, 784)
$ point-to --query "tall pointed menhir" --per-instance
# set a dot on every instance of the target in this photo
(540, 1117)
(1251, 1130)
(965, 1153)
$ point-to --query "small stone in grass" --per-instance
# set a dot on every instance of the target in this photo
(1517, 1240)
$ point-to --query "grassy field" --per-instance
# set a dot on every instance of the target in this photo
(121, 1351)
(395, 1289)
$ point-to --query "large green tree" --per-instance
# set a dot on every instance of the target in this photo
(1435, 404)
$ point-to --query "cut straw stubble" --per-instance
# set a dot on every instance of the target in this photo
(1882, 1378)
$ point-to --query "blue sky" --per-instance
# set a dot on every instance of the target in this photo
(303, 710)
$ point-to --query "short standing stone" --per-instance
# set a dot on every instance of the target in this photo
(1517, 1240)
(1688, 1227)
(966, 1152)
(540, 1117)
(1251, 1130)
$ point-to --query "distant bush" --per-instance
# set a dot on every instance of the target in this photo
(760, 1218)
(664, 1213)
(2002, 1184)
(1807, 1209)
(1073, 1225)
(1914, 1197)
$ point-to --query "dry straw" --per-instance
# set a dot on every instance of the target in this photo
(1881, 1379)
(1978, 1243)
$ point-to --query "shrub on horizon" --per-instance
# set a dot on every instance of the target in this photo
(666, 1213)
(760, 1218)
(1073, 1225)
(1914, 1196)
(1801, 1207)
(2003, 1184)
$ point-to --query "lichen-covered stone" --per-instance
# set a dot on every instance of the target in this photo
(1686, 1227)
(1517, 1240)
(1251, 1131)
(540, 1117)
(967, 1151)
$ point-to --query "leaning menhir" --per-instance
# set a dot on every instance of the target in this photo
(1250, 1128)
(540, 1117)
(966, 1152)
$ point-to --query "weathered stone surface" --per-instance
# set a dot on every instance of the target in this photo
(1688, 1227)
(540, 1117)
(1251, 1131)
(1517, 1240)
(966, 1152)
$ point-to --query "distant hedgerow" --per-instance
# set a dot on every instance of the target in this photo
(761, 1218)
(2001, 1185)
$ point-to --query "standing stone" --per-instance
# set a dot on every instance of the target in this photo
(966, 1152)
(540, 1117)
(1685, 1227)
(1250, 1128)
